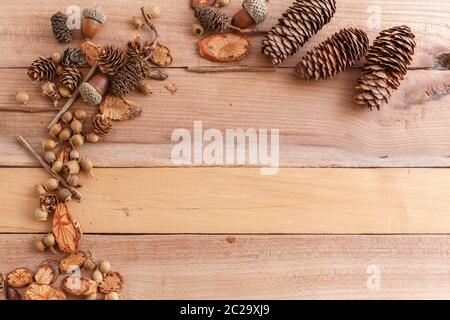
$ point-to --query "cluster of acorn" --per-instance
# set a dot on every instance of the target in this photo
(67, 162)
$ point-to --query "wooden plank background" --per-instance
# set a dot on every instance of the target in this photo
(158, 217)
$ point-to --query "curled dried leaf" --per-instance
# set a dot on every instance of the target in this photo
(20, 277)
(46, 274)
(36, 291)
(90, 50)
(112, 282)
(224, 47)
(172, 87)
(118, 108)
(71, 261)
(79, 286)
(67, 232)
(160, 55)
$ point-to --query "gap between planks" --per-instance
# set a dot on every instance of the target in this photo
(240, 200)
(263, 267)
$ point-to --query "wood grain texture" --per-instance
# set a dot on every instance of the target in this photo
(428, 20)
(239, 200)
(263, 267)
(319, 124)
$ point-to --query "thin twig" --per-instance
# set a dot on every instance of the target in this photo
(24, 143)
(250, 30)
(73, 98)
(152, 27)
(26, 109)
(212, 69)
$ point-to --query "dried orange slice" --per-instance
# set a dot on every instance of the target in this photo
(112, 282)
(20, 277)
(46, 274)
(73, 260)
(67, 232)
(117, 108)
(36, 291)
(79, 286)
(224, 47)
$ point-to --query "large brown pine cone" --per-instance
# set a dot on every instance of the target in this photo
(299, 23)
(102, 125)
(73, 57)
(71, 77)
(128, 78)
(334, 55)
(111, 59)
(386, 66)
(212, 19)
(42, 69)
(59, 26)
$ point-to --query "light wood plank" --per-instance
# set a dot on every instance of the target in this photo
(24, 41)
(263, 267)
(318, 122)
(233, 200)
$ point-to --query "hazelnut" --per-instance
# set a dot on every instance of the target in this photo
(22, 97)
(73, 181)
(57, 166)
(49, 240)
(51, 184)
(40, 215)
(64, 92)
(105, 266)
(56, 58)
(49, 144)
(50, 157)
(55, 130)
(93, 137)
(80, 114)
(65, 135)
(64, 195)
(76, 126)
(74, 155)
(77, 140)
(197, 29)
(112, 296)
(67, 117)
(71, 167)
(86, 165)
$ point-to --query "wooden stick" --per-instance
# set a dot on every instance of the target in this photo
(26, 109)
(213, 69)
(24, 143)
(73, 98)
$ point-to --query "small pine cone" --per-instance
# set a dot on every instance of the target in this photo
(48, 202)
(101, 125)
(128, 78)
(111, 59)
(334, 55)
(73, 57)
(71, 77)
(386, 66)
(299, 23)
(212, 19)
(42, 69)
(59, 26)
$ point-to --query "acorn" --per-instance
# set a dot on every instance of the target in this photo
(93, 91)
(67, 117)
(65, 135)
(76, 126)
(77, 140)
(40, 190)
(97, 276)
(55, 130)
(137, 22)
(50, 157)
(73, 181)
(92, 137)
(74, 155)
(222, 3)
(154, 11)
(22, 97)
(105, 266)
(92, 21)
(56, 58)
(92, 296)
(64, 92)
(197, 29)
(90, 263)
(64, 195)
(51, 184)
(49, 240)
(80, 114)
(39, 244)
(59, 70)
(57, 166)
(49, 144)
(71, 167)
(252, 12)
(40, 215)
(86, 165)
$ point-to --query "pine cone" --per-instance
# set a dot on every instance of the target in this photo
(71, 77)
(111, 59)
(42, 69)
(386, 66)
(212, 19)
(59, 26)
(48, 202)
(128, 78)
(299, 23)
(73, 57)
(101, 125)
(334, 55)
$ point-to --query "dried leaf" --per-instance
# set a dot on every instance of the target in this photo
(71, 261)
(160, 55)
(20, 277)
(2, 282)
(63, 154)
(118, 108)
(112, 281)
(79, 286)
(46, 274)
(172, 88)
(90, 50)
(38, 291)
(204, 3)
(157, 74)
(224, 47)
(67, 231)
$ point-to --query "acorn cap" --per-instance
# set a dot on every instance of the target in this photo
(257, 9)
(95, 13)
(89, 94)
